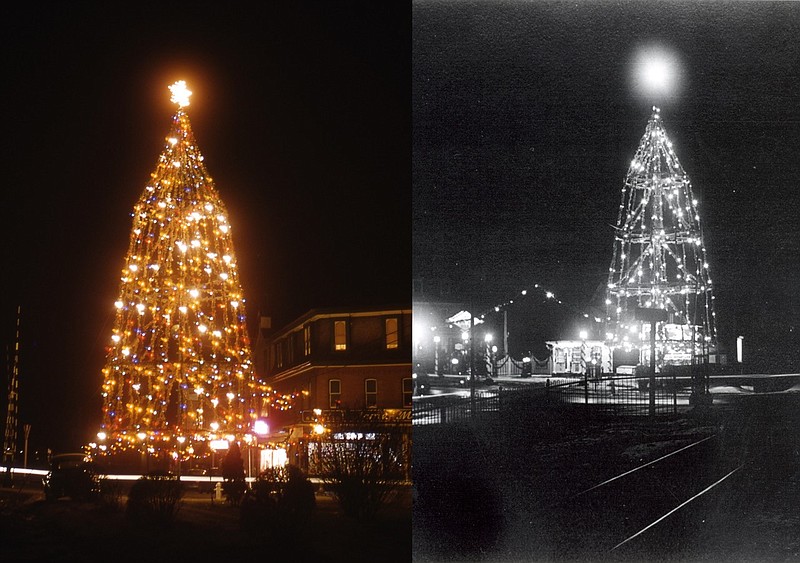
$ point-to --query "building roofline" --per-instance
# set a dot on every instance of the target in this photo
(338, 312)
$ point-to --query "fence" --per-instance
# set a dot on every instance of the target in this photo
(613, 395)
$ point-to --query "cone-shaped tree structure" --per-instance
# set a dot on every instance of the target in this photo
(179, 357)
(659, 258)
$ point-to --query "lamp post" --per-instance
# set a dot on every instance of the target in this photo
(436, 339)
(584, 349)
(142, 436)
(584, 369)
(487, 338)
(261, 430)
(471, 363)
(181, 440)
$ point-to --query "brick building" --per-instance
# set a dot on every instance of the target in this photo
(339, 359)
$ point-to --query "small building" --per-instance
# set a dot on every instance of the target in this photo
(576, 357)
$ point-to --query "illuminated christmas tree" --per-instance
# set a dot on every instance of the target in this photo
(659, 258)
(179, 362)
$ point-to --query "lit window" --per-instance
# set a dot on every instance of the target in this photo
(307, 340)
(334, 393)
(278, 354)
(392, 338)
(371, 392)
(340, 335)
(408, 391)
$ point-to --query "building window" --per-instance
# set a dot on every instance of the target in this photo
(278, 355)
(290, 351)
(334, 393)
(371, 392)
(408, 391)
(392, 336)
(307, 340)
(340, 335)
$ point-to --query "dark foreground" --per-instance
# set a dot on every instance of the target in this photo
(34, 530)
(514, 487)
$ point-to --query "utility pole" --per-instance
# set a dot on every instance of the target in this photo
(472, 362)
(27, 432)
(653, 316)
(505, 332)
(12, 420)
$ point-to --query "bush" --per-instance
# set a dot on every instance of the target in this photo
(364, 474)
(111, 493)
(281, 501)
(154, 499)
(234, 484)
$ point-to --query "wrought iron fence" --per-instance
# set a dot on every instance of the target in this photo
(611, 395)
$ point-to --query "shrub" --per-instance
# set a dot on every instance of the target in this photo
(234, 484)
(281, 501)
(111, 494)
(364, 473)
(154, 499)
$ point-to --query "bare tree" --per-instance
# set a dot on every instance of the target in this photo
(364, 470)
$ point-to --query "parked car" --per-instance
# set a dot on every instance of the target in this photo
(73, 476)
(200, 479)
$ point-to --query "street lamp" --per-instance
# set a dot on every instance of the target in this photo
(260, 427)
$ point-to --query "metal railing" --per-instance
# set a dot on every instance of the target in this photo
(613, 395)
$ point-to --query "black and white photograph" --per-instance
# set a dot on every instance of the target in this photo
(605, 259)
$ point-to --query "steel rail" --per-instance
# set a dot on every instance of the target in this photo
(607, 481)
(681, 505)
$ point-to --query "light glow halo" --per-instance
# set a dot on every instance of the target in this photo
(656, 73)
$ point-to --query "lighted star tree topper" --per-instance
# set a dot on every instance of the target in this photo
(179, 360)
(659, 258)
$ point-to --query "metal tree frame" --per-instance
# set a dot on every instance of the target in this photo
(659, 259)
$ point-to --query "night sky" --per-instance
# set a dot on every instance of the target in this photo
(526, 120)
(302, 112)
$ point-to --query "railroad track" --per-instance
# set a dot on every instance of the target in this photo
(644, 511)
(704, 497)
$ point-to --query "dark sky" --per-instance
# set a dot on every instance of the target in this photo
(525, 122)
(302, 113)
